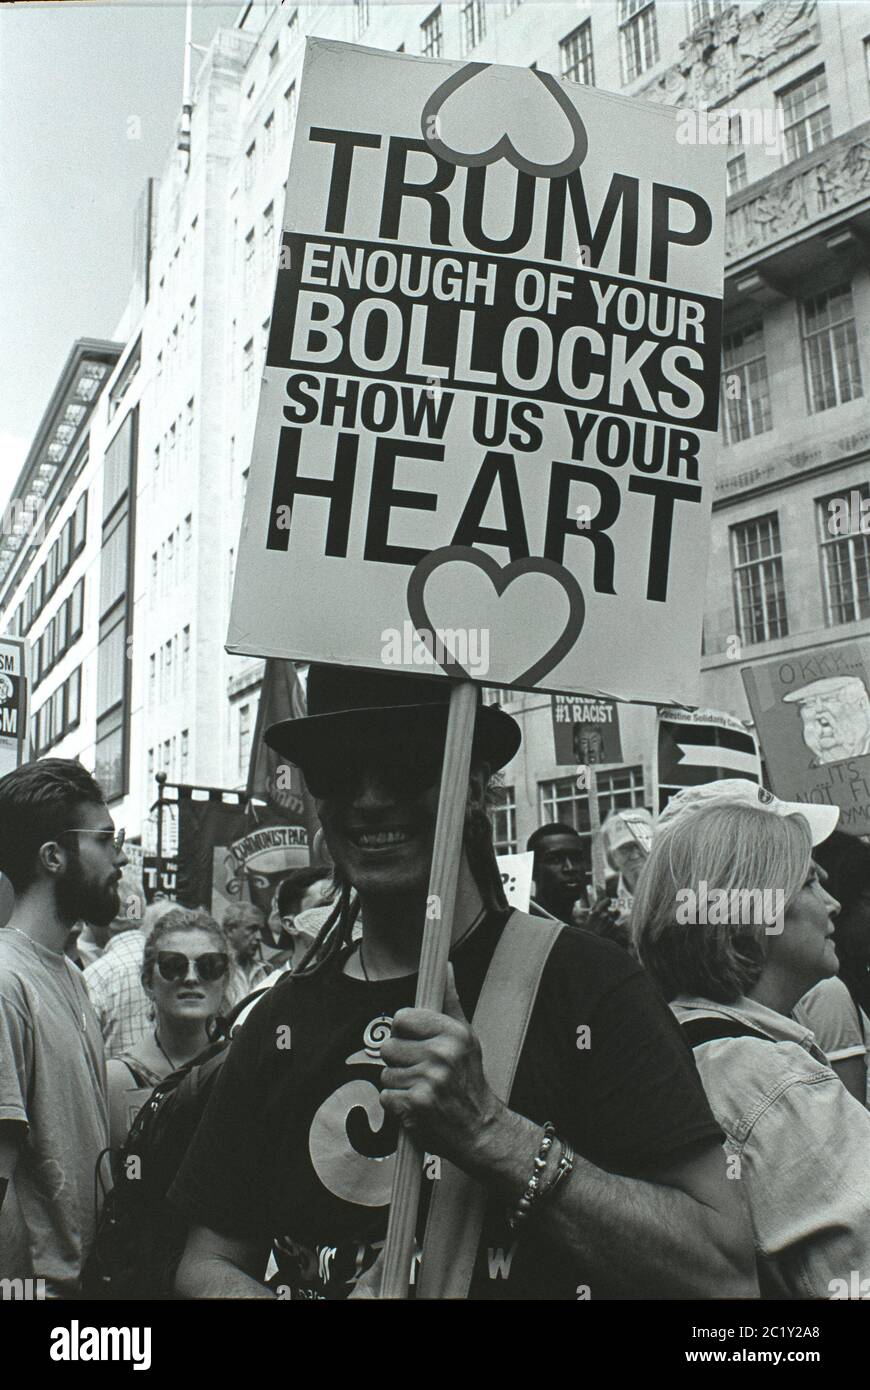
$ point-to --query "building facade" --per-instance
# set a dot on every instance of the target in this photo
(786, 85)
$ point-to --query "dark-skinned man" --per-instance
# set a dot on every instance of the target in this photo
(295, 1153)
(559, 870)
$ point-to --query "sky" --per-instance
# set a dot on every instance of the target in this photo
(71, 77)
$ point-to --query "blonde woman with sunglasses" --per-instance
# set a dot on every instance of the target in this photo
(185, 973)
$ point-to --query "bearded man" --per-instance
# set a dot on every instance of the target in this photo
(60, 851)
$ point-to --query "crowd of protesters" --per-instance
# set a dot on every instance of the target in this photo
(688, 1113)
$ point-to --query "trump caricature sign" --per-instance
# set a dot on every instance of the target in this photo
(488, 412)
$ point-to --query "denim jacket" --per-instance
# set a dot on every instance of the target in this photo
(798, 1143)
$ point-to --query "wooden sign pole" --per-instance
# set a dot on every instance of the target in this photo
(432, 979)
(599, 865)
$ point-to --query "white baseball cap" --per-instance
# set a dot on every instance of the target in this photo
(821, 819)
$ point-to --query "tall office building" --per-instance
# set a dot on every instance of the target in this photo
(785, 84)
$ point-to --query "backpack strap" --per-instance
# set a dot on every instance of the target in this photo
(500, 1021)
(701, 1030)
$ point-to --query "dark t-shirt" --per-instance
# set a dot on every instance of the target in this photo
(295, 1147)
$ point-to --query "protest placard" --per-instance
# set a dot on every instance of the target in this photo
(585, 731)
(487, 421)
(698, 746)
(516, 877)
(13, 711)
(812, 712)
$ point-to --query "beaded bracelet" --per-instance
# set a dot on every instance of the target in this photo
(566, 1166)
(524, 1205)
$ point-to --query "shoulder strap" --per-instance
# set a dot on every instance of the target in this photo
(142, 1075)
(501, 1020)
(701, 1030)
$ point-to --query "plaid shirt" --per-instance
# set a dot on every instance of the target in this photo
(120, 1002)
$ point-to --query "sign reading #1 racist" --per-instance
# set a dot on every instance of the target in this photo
(585, 731)
(812, 712)
(490, 397)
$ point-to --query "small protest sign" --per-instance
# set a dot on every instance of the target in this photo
(487, 422)
(13, 709)
(812, 712)
(698, 746)
(516, 877)
(585, 731)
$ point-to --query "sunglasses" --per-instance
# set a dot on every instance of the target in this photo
(173, 965)
(405, 770)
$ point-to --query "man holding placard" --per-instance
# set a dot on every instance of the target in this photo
(296, 1152)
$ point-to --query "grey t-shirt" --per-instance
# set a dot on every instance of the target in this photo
(52, 1077)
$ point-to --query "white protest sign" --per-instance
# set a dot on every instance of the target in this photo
(488, 412)
(516, 878)
(13, 702)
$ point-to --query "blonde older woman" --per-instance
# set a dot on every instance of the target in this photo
(732, 921)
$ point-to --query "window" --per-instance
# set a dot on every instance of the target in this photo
(250, 163)
(185, 743)
(170, 686)
(152, 678)
(805, 114)
(273, 55)
(247, 371)
(73, 699)
(360, 16)
(576, 50)
(473, 17)
(249, 259)
(269, 237)
(759, 592)
(113, 566)
(736, 173)
(702, 10)
(150, 774)
(188, 432)
(639, 38)
(290, 107)
(504, 821)
(269, 132)
(80, 525)
(293, 26)
(845, 558)
(511, 5)
(745, 395)
(111, 668)
(432, 35)
(618, 790)
(185, 656)
(265, 330)
(192, 315)
(76, 611)
(188, 543)
(831, 365)
(244, 739)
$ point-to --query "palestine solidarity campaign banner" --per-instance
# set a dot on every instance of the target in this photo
(487, 424)
(702, 745)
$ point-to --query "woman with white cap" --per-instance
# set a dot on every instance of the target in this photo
(732, 921)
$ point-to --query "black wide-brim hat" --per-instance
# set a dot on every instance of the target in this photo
(349, 705)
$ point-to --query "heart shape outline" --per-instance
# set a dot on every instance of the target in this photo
(504, 147)
(500, 576)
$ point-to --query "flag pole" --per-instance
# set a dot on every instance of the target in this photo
(432, 979)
